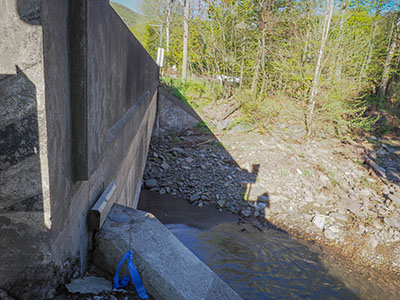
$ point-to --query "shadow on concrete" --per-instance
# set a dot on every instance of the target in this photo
(29, 11)
(24, 236)
(19, 133)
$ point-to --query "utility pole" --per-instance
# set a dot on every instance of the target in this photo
(167, 25)
(186, 18)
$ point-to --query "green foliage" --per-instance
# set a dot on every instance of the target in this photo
(130, 18)
(268, 51)
(151, 39)
(202, 127)
(133, 20)
(195, 92)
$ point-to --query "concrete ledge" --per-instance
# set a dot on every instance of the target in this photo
(100, 210)
(169, 270)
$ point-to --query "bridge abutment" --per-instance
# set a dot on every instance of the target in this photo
(77, 109)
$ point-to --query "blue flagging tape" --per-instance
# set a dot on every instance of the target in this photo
(137, 281)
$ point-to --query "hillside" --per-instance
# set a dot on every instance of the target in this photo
(130, 17)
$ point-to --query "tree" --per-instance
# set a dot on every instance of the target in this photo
(186, 18)
(389, 58)
(314, 90)
(368, 56)
(320, 58)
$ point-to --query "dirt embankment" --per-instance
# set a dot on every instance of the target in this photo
(325, 190)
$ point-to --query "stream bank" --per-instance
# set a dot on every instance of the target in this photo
(321, 191)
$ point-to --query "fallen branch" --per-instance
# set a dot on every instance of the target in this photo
(232, 110)
(202, 143)
(378, 170)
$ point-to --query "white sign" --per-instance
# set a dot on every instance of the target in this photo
(160, 57)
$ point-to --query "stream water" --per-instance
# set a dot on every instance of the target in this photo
(272, 265)
(267, 264)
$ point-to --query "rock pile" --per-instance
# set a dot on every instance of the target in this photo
(197, 168)
(321, 190)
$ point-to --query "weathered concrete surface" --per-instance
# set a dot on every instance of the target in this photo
(168, 269)
(25, 252)
(173, 115)
(43, 210)
(120, 79)
(25, 248)
(120, 159)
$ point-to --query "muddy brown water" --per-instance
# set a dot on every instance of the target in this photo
(267, 263)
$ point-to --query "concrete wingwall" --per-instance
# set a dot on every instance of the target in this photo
(173, 115)
(78, 100)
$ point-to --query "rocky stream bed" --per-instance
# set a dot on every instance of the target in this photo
(344, 196)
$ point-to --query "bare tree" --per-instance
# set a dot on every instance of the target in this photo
(257, 67)
(167, 25)
(185, 39)
(317, 74)
(340, 49)
(388, 62)
(368, 56)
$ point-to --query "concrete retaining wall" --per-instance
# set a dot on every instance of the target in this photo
(76, 112)
(173, 115)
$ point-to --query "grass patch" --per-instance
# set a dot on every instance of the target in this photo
(194, 92)
(202, 127)
(372, 185)
(332, 177)
(284, 173)
(359, 162)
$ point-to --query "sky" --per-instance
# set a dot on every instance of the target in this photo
(132, 4)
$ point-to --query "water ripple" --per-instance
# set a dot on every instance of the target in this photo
(271, 265)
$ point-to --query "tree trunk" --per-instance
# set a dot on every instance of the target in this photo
(167, 25)
(242, 65)
(185, 39)
(339, 62)
(262, 67)
(387, 67)
(310, 11)
(317, 74)
(257, 69)
(368, 56)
